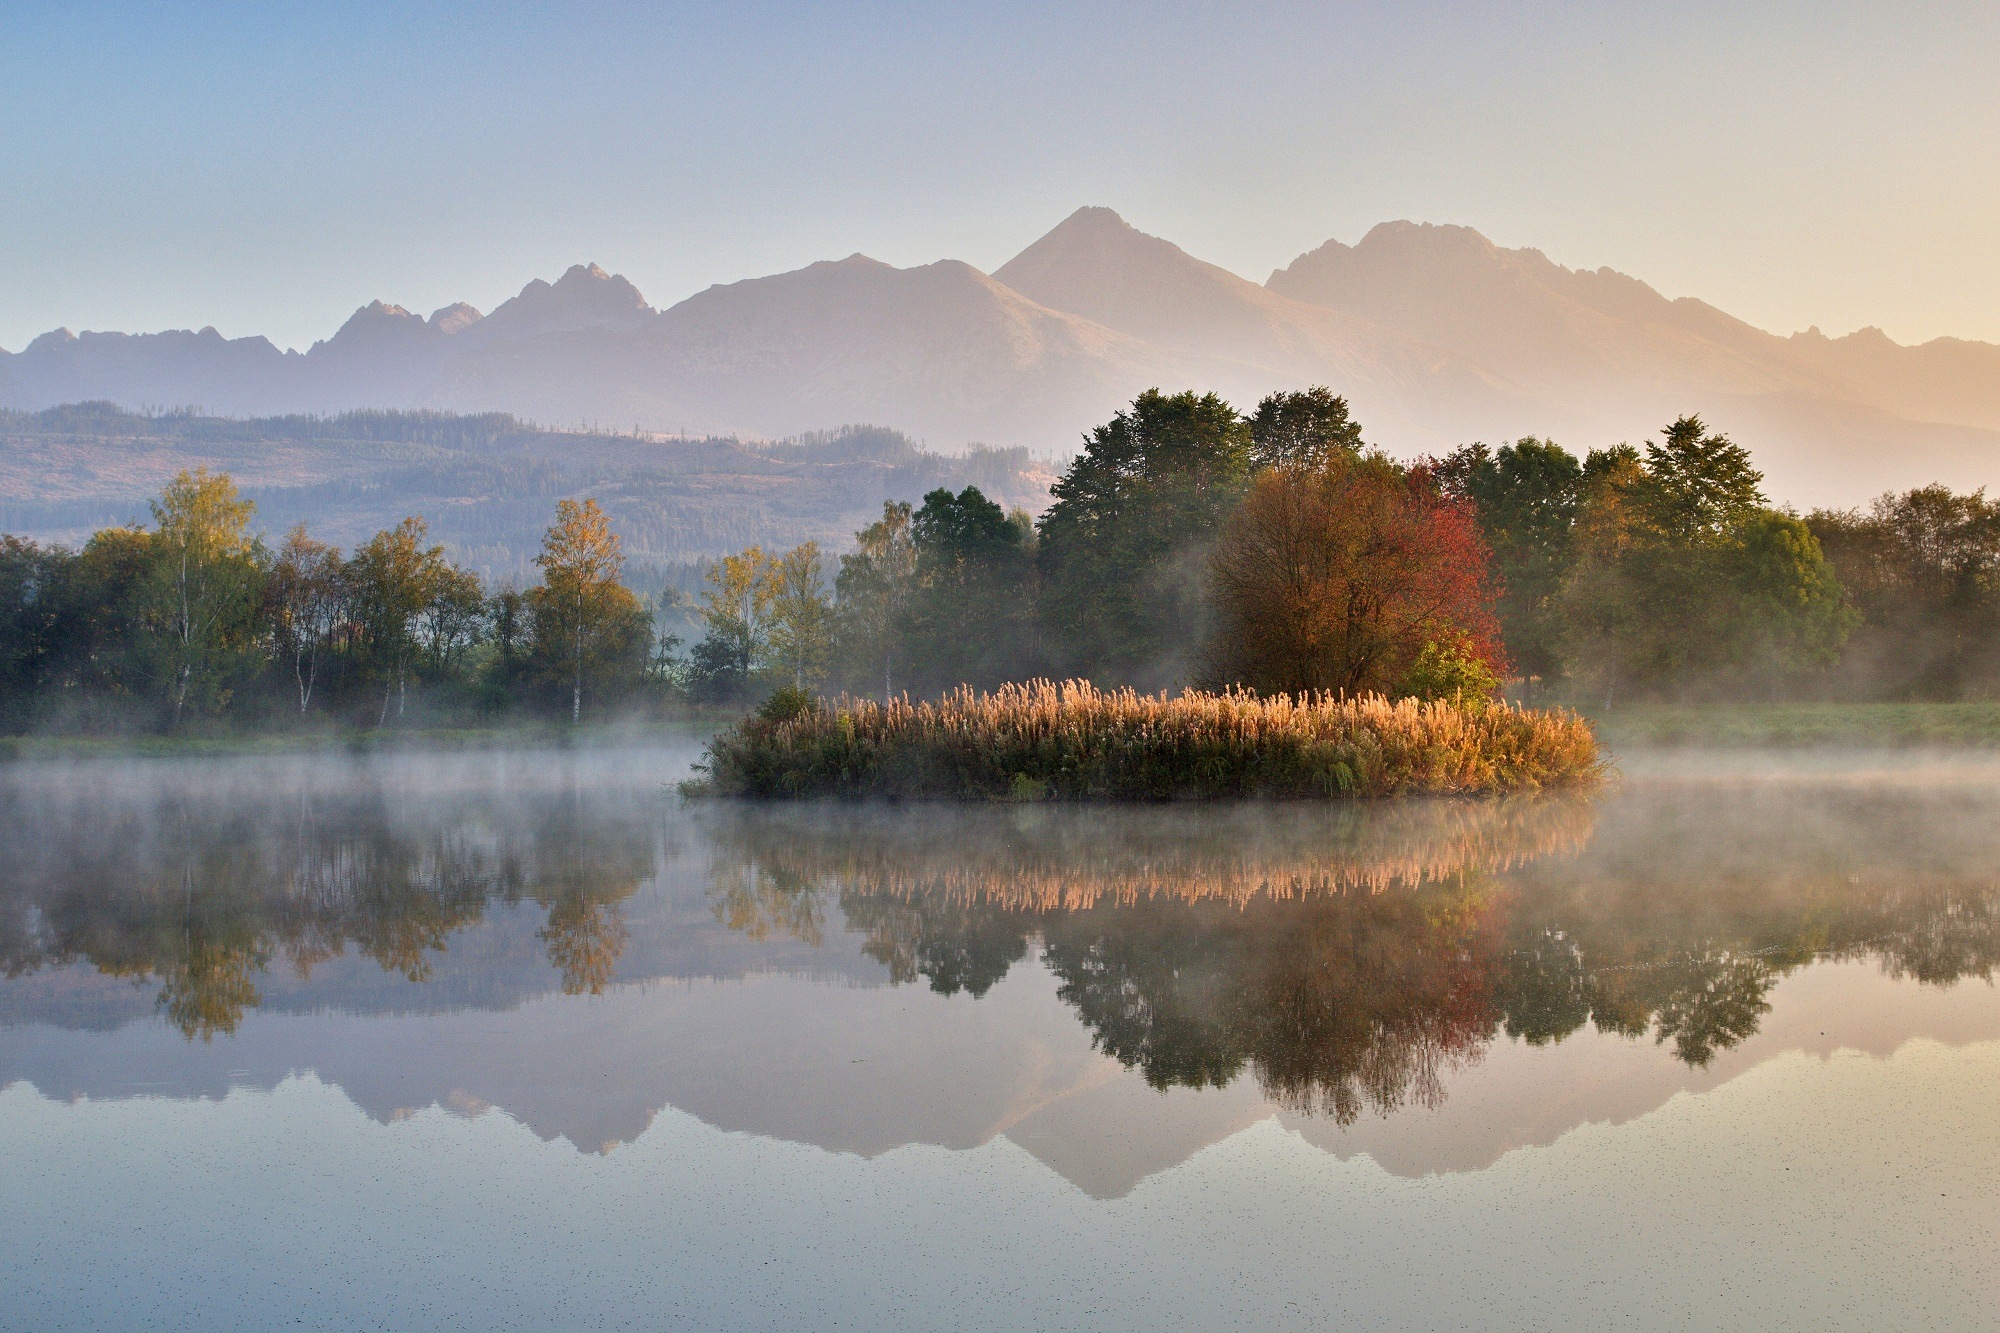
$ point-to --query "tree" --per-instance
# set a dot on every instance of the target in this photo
(736, 615)
(452, 621)
(1122, 548)
(1696, 484)
(1527, 497)
(970, 618)
(102, 617)
(801, 616)
(1685, 580)
(584, 616)
(1337, 577)
(304, 599)
(394, 577)
(207, 575)
(29, 577)
(1305, 429)
(874, 587)
(1922, 570)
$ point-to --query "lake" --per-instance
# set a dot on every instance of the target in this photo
(516, 1039)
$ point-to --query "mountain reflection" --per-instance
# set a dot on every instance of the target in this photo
(1346, 960)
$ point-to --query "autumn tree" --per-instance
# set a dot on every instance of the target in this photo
(801, 612)
(1337, 577)
(736, 618)
(393, 577)
(207, 578)
(587, 623)
(304, 599)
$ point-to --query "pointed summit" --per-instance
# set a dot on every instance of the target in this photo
(584, 297)
(377, 326)
(1098, 265)
(454, 318)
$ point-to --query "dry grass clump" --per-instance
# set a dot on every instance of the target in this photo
(1075, 742)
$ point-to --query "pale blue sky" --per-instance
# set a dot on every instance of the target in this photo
(268, 168)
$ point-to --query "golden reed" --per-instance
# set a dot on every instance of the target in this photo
(1075, 742)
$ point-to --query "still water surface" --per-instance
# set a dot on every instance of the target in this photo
(515, 1040)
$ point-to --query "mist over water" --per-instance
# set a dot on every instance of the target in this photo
(542, 968)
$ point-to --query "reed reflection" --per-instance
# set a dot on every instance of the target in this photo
(1351, 960)
(201, 893)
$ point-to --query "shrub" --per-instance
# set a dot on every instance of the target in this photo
(1072, 742)
(1450, 669)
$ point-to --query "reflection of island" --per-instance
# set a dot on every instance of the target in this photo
(1353, 962)
(584, 956)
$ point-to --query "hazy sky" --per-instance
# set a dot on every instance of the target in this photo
(268, 168)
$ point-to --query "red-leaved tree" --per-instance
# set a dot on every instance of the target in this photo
(1336, 577)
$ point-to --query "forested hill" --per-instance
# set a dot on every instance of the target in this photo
(485, 483)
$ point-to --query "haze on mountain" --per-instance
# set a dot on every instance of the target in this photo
(1436, 335)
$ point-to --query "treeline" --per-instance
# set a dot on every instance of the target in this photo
(197, 617)
(1186, 544)
(1190, 544)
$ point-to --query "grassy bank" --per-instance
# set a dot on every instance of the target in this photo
(1799, 725)
(1074, 742)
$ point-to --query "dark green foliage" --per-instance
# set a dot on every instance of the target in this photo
(1123, 545)
(1923, 571)
(1696, 484)
(1686, 583)
(719, 668)
(1662, 573)
(1528, 496)
(1303, 429)
(970, 617)
(28, 575)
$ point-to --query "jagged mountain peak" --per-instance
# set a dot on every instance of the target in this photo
(377, 324)
(455, 317)
(584, 297)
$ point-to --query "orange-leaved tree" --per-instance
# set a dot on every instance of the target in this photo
(587, 623)
(1337, 576)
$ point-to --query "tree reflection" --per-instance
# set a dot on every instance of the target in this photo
(1351, 962)
(199, 895)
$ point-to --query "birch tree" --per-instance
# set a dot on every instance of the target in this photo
(206, 583)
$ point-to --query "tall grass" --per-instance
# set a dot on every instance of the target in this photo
(1075, 742)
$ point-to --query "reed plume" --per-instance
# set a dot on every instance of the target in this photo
(1075, 742)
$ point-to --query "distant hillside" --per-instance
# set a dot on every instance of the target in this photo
(487, 484)
(1436, 335)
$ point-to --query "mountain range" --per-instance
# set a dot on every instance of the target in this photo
(1436, 335)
